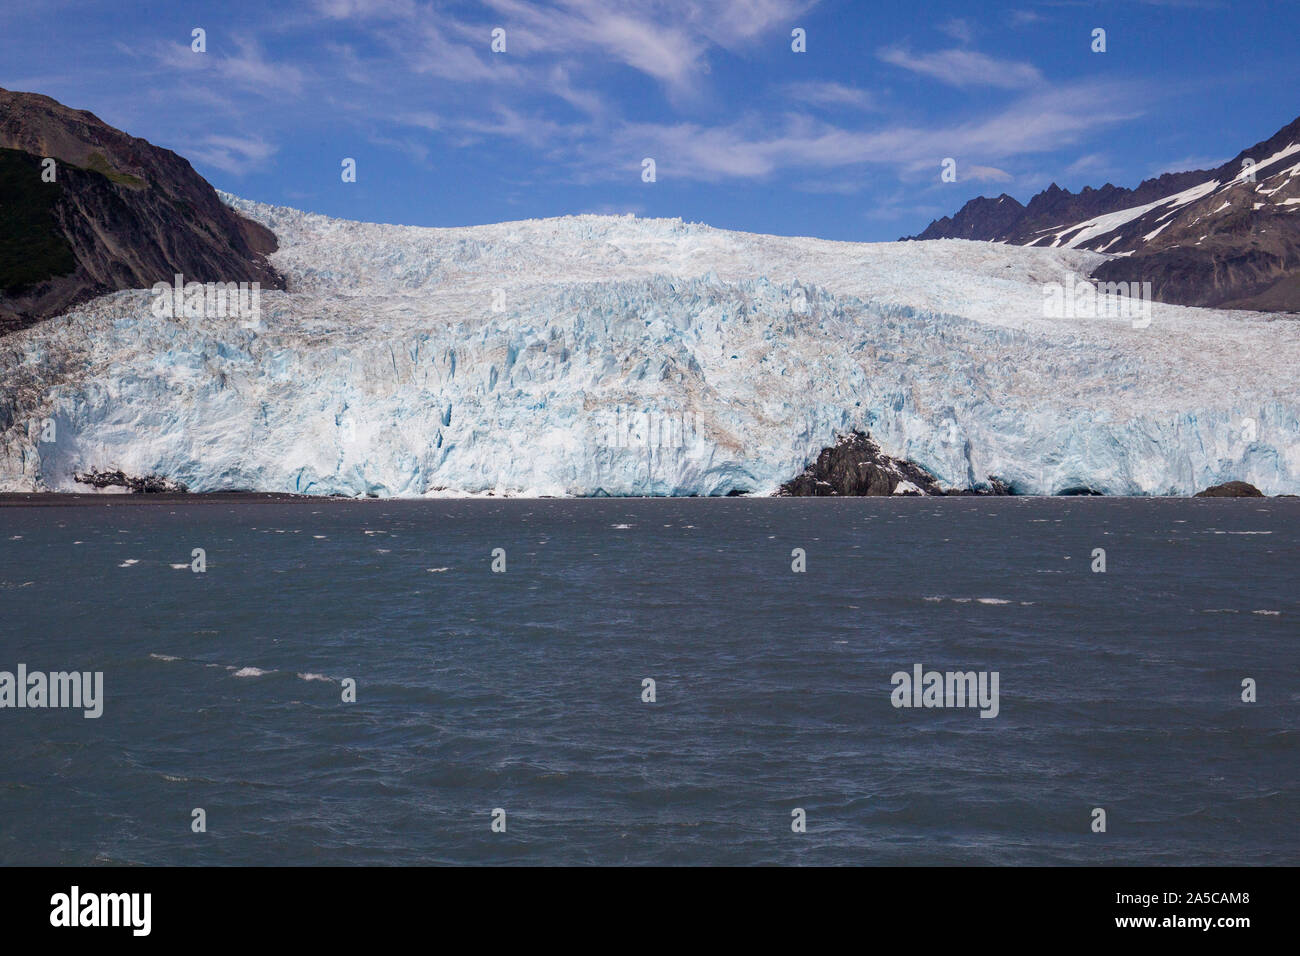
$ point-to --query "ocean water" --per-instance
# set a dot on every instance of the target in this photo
(522, 690)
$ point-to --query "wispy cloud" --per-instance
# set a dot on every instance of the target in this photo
(664, 48)
(1090, 164)
(666, 40)
(232, 154)
(510, 123)
(366, 9)
(587, 88)
(248, 69)
(756, 147)
(986, 174)
(1022, 18)
(965, 68)
(829, 94)
(963, 31)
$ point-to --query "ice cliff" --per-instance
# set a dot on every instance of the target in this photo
(595, 354)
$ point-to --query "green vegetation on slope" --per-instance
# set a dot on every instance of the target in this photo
(97, 163)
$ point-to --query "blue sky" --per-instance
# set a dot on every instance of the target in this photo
(843, 141)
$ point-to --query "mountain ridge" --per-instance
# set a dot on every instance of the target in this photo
(1213, 237)
(120, 213)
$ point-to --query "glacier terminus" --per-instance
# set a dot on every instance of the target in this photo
(606, 355)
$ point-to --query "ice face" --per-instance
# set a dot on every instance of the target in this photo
(607, 355)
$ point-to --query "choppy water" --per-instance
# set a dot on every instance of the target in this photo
(522, 690)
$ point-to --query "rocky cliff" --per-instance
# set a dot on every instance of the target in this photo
(120, 213)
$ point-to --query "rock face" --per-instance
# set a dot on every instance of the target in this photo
(1231, 489)
(149, 484)
(856, 467)
(120, 214)
(1227, 237)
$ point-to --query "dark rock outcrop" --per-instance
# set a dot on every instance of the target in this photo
(1236, 244)
(1231, 489)
(149, 484)
(981, 219)
(856, 467)
(120, 214)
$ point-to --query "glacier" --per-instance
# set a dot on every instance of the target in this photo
(594, 355)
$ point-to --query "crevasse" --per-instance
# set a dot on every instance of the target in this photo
(612, 355)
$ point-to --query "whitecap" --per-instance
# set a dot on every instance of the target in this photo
(249, 672)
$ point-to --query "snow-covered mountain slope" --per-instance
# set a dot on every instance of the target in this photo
(595, 354)
(1227, 237)
(1272, 183)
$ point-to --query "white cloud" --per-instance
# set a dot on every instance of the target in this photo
(366, 9)
(965, 68)
(666, 51)
(232, 154)
(423, 83)
(985, 174)
(756, 147)
(585, 101)
(667, 40)
(1091, 163)
(1022, 18)
(821, 93)
(832, 187)
(247, 70)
